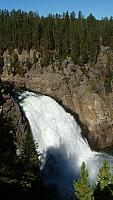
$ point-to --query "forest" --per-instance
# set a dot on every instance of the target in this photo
(56, 36)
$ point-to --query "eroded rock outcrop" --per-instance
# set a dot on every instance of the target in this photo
(96, 115)
(82, 89)
(11, 119)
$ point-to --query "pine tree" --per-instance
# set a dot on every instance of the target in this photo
(104, 176)
(29, 159)
(82, 188)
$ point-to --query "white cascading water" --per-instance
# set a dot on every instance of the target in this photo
(60, 143)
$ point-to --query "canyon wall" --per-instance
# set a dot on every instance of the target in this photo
(82, 90)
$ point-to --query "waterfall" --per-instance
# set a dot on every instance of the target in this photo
(60, 143)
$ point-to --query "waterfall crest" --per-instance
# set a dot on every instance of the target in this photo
(60, 143)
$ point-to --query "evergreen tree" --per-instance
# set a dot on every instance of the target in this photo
(72, 16)
(104, 176)
(82, 188)
(55, 36)
(29, 160)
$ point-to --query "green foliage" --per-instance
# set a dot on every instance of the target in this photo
(15, 58)
(82, 188)
(35, 59)
(28, 64)
(30, 162)
(15, 68)
(45, 60)
(19, 171)
(102, 190)
(104, 176)
(64, 35)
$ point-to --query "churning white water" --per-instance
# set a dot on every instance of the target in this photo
(60, 143)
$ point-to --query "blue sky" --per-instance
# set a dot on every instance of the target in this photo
(99, 8)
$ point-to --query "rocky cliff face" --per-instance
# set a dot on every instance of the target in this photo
(13, 123)
(83, 90)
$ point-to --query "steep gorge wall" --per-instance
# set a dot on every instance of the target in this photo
(12, 121)
(80, 89)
